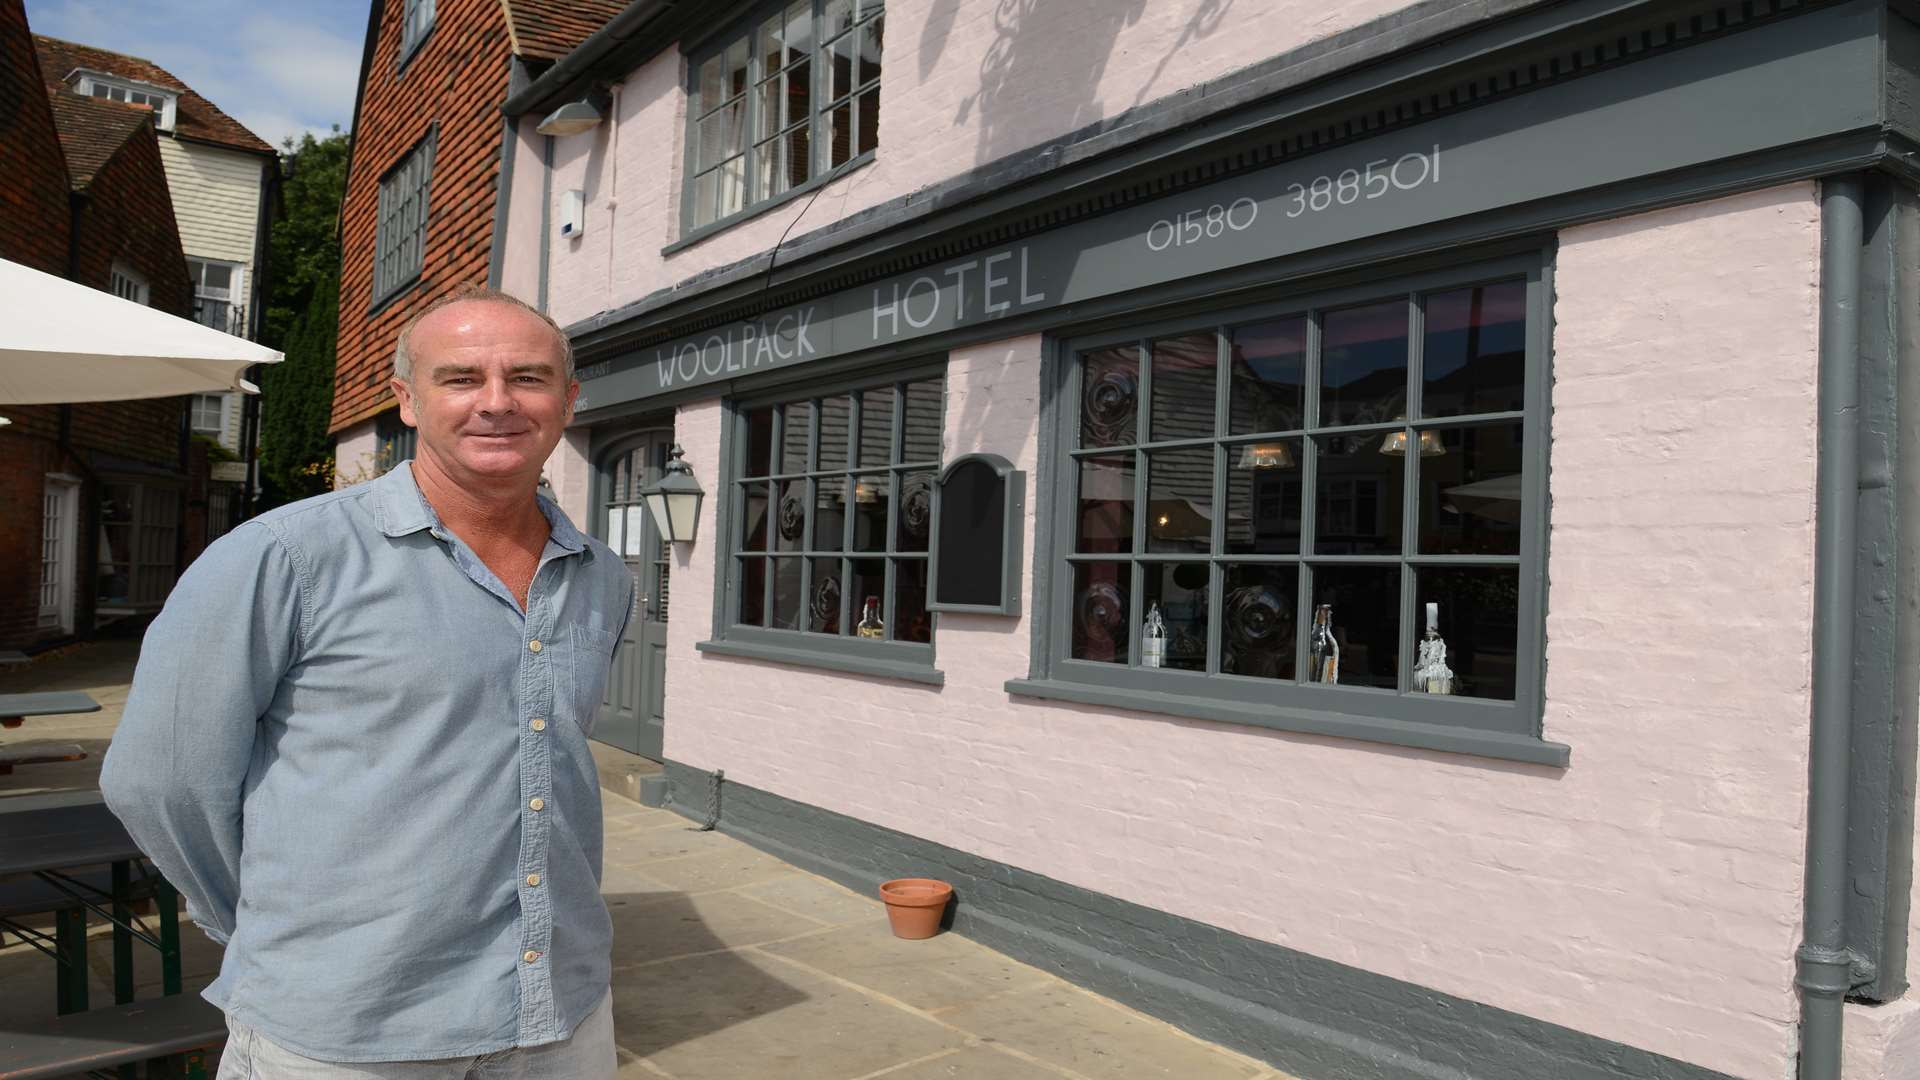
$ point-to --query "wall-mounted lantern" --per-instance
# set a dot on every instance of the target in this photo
(674, 502)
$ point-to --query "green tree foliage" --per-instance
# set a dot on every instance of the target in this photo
(296, 395)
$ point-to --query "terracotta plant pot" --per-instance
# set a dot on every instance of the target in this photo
(915, 905)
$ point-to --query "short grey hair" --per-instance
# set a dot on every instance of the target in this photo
(476, 294)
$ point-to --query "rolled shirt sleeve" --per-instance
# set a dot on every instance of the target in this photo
(210, 665)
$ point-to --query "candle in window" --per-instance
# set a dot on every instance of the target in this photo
(1430, 671)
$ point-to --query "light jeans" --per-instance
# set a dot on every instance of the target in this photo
(587, 1055)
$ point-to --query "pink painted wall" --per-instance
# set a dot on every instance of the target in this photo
(966, 82)
(520, 262)
(1648, 894)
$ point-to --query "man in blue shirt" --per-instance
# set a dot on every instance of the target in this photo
(357, 741)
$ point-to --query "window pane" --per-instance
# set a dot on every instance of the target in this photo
(1470, 490)
(732, 194)
(1268, 363)
(1184, 374)
(759, 442)
(770, 168)
(836, 417)
(1106, 505)
(1366, 621)
(735, 68)
(870, 38)
(868, 7)
(787, 605)
(799, 91)
(1180, 500)
(799, 30)
(1263, 498)
(840, 66)
(916, 512)
(869, 109)
(1479, 621)
(769, 43)
(869, 582)
(1357, 496)
(216, 279)
(1257, 620)
(712, 85)
(799, 155)
(100, 91)
(722, 134)
(1180, 590)
(925, 417)
(829, 513)
(1100, 611)
(835, 16)
(1109, 396)
(753, 595)
(771, 101)
(790, 524)
(795, 434)
(911, 620)
(823, 603)
(1474, 356)
(840, 136)
(1363, 364)
(876, 426)
(872, 506)
(753, 517)
(705, 195)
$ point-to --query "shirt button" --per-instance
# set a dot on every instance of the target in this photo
(539, 723)
(533, 879)
(534, 645)
(538, 804)
(530, 956)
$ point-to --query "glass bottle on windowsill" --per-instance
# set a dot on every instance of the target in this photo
(870, 624)
(1323, 650)
(1153, 639)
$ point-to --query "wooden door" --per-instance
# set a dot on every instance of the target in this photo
(633, 715)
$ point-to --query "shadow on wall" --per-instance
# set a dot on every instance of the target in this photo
(1025, 63)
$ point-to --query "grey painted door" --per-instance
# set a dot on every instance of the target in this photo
(632, 716)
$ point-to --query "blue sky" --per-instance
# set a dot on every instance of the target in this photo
(280, 69)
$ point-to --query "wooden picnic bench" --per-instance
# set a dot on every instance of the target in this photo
(100, 1039)
(14, 710)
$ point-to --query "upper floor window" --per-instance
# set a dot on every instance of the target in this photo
(130, 91)
(400, 242)
(414, 26)
(209, 413)
(1298, 506)
(128, 283)
(781, 103)
(216, 294)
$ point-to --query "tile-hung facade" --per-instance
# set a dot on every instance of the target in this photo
(1378, 536)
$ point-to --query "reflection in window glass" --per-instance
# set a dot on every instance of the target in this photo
(1109, 396)
(872, 506)
(787, 598)
(1366, 621)
(1100, 611)
(1478, 619)
(915, 515)
(1106, 504)
(753, 518)
(829, 513)
(925, 416)
(1263, 498)
(1180, 500)
(1357, 501)
(796, 434)
(1363, 365)
(1474, 357)
(1470, 492)
(790, 521)
(1256, 619)
(823, 597)
(753, 592)
(759, 442)
(876, 426)
(911, 620)
(836, 423)
(1269, 366)
(1185, 370)
(1180, 592)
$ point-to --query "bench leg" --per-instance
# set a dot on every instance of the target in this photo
(123, 947)
(70, 950)
(168, 901)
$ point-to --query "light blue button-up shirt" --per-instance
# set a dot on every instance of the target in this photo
(367, 770)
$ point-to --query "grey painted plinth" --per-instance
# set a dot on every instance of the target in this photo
(1318, 1019)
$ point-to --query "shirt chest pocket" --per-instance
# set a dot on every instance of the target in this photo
(591, 663)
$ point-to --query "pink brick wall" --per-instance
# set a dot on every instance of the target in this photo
(1649, 894)
(966, 82)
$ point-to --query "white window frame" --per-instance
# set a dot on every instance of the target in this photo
(59, 551)
(164, 112)
(236, 289)
(129, 284)
(220, 421)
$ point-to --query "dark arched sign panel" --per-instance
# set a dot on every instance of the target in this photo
(978, 507)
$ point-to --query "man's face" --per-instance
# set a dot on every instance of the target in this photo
(487, 392)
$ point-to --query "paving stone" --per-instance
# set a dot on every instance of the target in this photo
(731, 1015)
(638, 847)
(942, 972)
(1065, 1026)
(819, 899)
(625, 883)
(649, 932)
(731, 866)
(974, 1063)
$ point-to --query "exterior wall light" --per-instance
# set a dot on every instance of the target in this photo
(575, 116)
(674, 502)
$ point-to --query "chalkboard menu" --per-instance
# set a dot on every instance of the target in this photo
(978, 506)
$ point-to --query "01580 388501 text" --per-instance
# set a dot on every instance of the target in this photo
(1374, 180)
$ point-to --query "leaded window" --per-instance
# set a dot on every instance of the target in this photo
(830, 514)
(400, 243)
(1348, 467)
(781, 103)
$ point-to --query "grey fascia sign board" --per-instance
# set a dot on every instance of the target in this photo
(1784, 83)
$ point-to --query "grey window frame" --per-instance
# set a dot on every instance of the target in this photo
(411, 38)
(1472, 725)
(908, 661)
(818, 117)
(390, 283)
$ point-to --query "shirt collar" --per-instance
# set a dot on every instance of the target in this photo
(400, 509)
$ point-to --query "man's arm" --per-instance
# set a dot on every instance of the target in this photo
(209, 667)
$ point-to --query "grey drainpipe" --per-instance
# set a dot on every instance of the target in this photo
(1825, 964)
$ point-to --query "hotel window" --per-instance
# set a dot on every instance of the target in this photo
(1267, 509)
(829, 512)
(780, 103)
(400, 242)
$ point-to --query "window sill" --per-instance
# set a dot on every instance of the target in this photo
(855, 665)
(399, 291)
(1457, 740)
(694, 236)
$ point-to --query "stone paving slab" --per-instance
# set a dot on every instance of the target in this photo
(729, 964)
